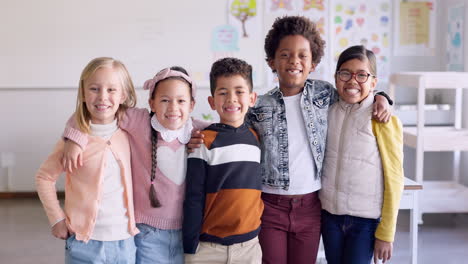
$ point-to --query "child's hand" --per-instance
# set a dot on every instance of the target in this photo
(195, 141)
(381, 110)
(72, 156)
(382, 250)
(60, 230)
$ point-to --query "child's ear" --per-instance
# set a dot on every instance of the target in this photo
(312, 69)
(150, 102)
(253, 99)
(271, 64)
(373, 83)
(123, 98)
(211, 102)
(192, 105)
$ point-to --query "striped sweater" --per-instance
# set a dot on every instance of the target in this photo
(223, 187)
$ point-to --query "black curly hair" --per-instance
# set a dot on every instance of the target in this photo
(294, 25)
(228, 67)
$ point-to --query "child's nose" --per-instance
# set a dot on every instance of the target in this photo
(102, 94)
(232, 98)
(294, 59)
(172, 106)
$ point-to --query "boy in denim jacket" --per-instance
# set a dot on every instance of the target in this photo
(291, 121)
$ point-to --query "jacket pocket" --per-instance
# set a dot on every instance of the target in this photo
(321, 100)
(262, 120)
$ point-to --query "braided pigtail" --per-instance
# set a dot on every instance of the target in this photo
(154, 147)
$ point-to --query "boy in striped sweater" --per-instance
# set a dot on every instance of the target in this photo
(222, 207)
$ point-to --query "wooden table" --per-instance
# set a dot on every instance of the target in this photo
(409, 201)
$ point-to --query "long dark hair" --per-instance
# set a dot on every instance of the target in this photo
(154, 144)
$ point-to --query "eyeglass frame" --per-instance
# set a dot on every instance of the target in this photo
(354, 75)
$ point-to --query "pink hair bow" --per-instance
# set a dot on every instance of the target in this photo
(164, 74)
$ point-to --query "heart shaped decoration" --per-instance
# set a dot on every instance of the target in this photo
(360, 21)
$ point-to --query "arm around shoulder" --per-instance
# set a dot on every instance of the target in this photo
(74, 134)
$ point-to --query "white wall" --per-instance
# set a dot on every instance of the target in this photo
(32, 122)
(32, 119)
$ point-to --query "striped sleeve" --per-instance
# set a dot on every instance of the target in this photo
(390, 142)
(194, 203)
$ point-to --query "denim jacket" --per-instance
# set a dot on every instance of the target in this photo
(268, 118)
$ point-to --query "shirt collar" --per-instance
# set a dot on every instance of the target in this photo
(182, 134)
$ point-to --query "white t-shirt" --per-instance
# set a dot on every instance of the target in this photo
(301, 162)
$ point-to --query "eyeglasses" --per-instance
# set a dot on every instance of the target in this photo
(360, 76)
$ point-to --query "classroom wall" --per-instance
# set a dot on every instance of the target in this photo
(33, 119)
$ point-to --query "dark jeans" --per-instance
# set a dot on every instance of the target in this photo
(290, 231)
(348, 239)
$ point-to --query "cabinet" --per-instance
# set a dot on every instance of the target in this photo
(443, 196)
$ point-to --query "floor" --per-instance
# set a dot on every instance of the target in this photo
(25, 236)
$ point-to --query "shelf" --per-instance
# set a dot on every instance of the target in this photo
(438, 138)
(431, 80)
(443, 197)
(432, 117)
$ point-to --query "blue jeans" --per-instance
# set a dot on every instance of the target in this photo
(158, 246)
(348, 239)
(119, 251)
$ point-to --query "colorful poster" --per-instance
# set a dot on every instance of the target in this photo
(279, 6)
(224, 42)
(454, 51)
(414, 23)
(363, 23)
(245, 13)
(414, 28)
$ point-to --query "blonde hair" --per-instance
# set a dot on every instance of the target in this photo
(81, 113)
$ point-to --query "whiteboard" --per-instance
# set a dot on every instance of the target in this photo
(47, 43)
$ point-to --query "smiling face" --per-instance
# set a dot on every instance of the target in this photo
(352, 91)
(103, 94)
(172, 103)
(292, 63)
(232, 99)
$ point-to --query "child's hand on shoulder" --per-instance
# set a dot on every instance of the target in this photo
(195, 141)
(72, 156)
(60, 230)
(382, 250)
(381, 109)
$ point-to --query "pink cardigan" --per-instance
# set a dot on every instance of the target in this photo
(137, 123)
(83, 187)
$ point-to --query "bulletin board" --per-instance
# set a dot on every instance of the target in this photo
(363, 22)
(414, 28)
(46, 44)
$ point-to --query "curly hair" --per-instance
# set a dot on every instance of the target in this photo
(294, 25)
(228, 67)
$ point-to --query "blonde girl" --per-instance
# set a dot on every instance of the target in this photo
(98, 220)
(157, 141)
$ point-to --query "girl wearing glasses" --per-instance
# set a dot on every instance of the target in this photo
(362, 178)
